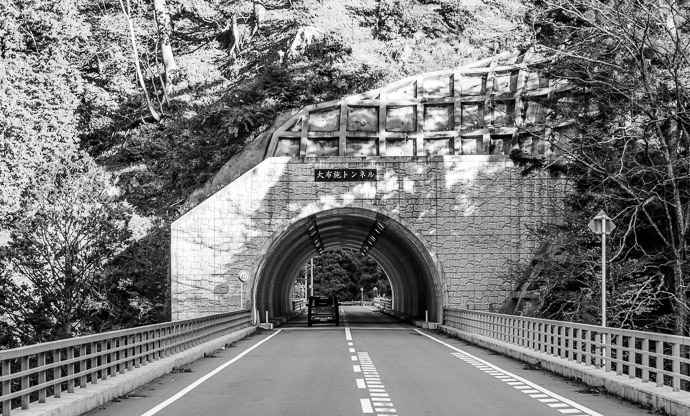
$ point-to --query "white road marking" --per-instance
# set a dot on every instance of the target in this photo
(471, 359)
(366, 406)
(348, 334)
(361, 384)
(206, 377)
(352, 350)
(356, 369)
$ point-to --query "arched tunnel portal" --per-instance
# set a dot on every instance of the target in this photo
(412, 268)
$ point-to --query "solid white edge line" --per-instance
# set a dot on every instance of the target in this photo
(206, 377)
(536, 386)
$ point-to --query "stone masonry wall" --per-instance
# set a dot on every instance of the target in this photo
(472, 210)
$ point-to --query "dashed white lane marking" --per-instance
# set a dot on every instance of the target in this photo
(361, 384)
(545, 396)
(348, 334)
(356, 369)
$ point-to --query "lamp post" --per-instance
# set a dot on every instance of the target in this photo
(361, 289)
(602, 225)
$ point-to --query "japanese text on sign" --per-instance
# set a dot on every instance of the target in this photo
(344, 175)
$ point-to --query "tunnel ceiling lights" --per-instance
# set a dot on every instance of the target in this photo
(374, 235)
(314, 236)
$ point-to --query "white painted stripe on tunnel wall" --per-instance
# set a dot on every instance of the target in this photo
(206, 377)
(515, 380)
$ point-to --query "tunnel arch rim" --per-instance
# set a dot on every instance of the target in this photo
(418, 241)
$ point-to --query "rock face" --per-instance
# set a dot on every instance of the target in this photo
(414, 175)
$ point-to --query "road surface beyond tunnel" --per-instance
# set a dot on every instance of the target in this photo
(370, 364)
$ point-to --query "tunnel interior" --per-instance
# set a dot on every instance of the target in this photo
(410, 265)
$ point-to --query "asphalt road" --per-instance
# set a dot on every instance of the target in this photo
(370, 364)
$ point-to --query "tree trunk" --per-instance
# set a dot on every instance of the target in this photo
(681, 305)
(164, 33)
(135, 54)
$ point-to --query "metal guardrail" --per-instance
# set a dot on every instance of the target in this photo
(383, 303)
(650, 357)
(298, 304)
(30, 374)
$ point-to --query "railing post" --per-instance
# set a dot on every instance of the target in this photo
(57, 373)
(632, 367)
(5, 371)
(41, 362)
(645, 360)
(70, 370)
(24, 381)
(105, 354)
(586, 347)
(94, 362)
(659, 363)
(598, 359)
(82, 366)
(136, 350)
(123, 353)
(675, 356)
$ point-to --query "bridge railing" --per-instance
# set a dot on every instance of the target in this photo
(650, 357)
(383, 303)
(298, 304)
(30, 374)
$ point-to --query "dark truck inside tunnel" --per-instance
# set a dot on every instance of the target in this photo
(323, 309)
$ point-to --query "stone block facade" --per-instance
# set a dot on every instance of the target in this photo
(471, 212)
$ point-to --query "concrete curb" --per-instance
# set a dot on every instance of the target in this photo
(664, 398)
(94, 395)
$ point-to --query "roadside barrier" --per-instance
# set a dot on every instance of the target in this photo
(30, 374)
(646, 367)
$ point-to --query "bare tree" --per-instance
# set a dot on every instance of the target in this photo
(627, 146)
(164, 34)
(127, 11)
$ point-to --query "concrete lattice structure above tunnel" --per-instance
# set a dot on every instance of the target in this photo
(489, 107)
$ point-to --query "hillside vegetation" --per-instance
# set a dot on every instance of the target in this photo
(97, 124)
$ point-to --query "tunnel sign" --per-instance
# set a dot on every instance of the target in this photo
(344, 175)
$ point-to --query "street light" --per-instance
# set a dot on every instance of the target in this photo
(602, 225)
(362, 290)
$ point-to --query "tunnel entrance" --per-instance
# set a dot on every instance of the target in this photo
(412, 268)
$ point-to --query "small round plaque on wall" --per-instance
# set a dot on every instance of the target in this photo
(243, 276)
